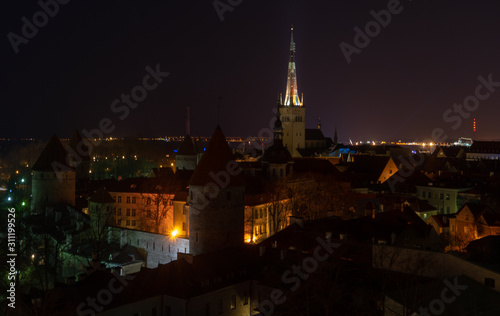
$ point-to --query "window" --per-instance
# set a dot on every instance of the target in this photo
(133, 223)
(489, 282)
(233, 301)
(466, 229)
(128, 212)
(256, 214)
(133, 212)
(128, 199)
(423, 194)
(261, 213)
(119, 199)
(183, 226)
(148, 201)
(148, 213)
(429, 195)
(128, 223)
(447, 197)
(118, 222)
(441, 196)
(220, 309)
(256, 231)
(447, 210)
(114, 198)
(133, 200)
(183, 210)
(264, 229)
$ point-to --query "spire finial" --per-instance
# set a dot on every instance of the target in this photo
(292, 93)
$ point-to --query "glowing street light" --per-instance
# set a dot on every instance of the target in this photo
(175, 232)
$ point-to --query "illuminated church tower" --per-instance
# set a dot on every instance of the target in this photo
(293, 112)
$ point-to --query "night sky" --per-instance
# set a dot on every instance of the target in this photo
(425, 60)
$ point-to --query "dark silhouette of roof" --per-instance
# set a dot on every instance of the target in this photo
(314, 134)
(188, 147)
(53, 157)
(277, 153)
(485, 147)
(216, 159)
(101, 196)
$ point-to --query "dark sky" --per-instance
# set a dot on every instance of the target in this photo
(426, 59)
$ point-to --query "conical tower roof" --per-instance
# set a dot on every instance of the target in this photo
(53, 152)
(216, 159)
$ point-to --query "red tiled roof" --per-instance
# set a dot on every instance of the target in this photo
(216, 159)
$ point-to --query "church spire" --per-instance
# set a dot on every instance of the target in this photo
(292, 93)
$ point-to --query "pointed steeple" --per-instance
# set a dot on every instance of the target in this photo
(292, 92)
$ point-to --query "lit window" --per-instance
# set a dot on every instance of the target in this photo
(133, 200)
(233, 301)
(133, 212)
(128, 212)
(133, 223)
(128, 199)
(119, 199)
(245, 298)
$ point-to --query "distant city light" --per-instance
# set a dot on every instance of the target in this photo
(22, 180)
(9, 198)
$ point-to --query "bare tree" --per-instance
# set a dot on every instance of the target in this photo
(157, 206)
(280, 208)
